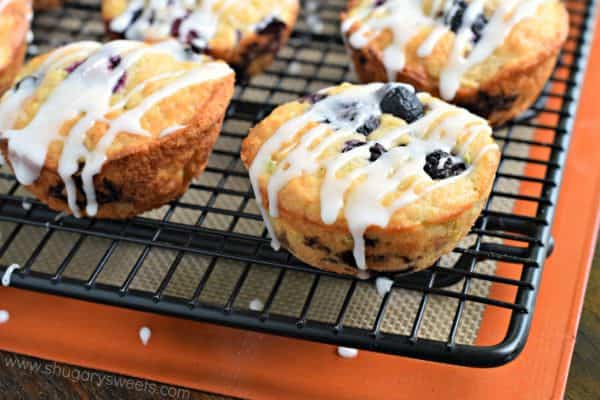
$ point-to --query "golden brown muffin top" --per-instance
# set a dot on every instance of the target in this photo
(83, 104)
(458, 42)
(201, 24)
(369, 156)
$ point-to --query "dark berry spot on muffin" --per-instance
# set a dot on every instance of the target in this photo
(313, 98)
(377, 150)
(486, 104)
(314, 243)
(175, 26)
(58, 191)
(114, 62)
(454, 16)
(71, 68)
(379, 3)
(134, 17)
(352, 144)
(348, 111)
(442, 165)
(121, 82)
(407, 260)
(152, 17)
(270, 26)
(371, 242)
(403, 103)
(283, 239)
(347, 257)
(28, 79)
(109, 192)
(369, 126)
(196, 42)
(478, 26)
(311, 241)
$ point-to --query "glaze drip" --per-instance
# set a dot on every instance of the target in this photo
(355, 185)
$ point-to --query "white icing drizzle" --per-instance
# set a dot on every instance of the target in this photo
(87, 93)
(358, 195)
(193, 22)
(145, 334)
(406, 19)
(8, 274)
(4, 316)
(172, 130)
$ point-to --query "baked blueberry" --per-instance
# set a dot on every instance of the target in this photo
(369, 126)
(114, 62)
(348, 111)
(74, 66)
(270, 26)
(352, 144)
(377, 150)
(402, 103)
(478, 27)
(442, 165)
(121, 82)
(454, 17)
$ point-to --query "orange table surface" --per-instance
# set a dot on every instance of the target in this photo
(247, 364)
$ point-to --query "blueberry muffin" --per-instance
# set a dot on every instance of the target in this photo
(46, 4)
(245, 33)
(490, 56)
(370, 177)
(14, 25)
(113, 130)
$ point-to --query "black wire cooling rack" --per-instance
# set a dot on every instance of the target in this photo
(205, 256)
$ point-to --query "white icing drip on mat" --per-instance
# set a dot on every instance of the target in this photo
(256, 305)
(383, 285)
(86, 93)
(347, 352)
(8, 274)
(145, 333)
(358, 196)
(406, 19)
(4, 316)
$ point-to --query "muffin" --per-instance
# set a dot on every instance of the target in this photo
(490, 56)
(46, 4)
(14, 25)
(246, 34)
(370, 177)
(113, 130)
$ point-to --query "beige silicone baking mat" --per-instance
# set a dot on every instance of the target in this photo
(302, 67)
